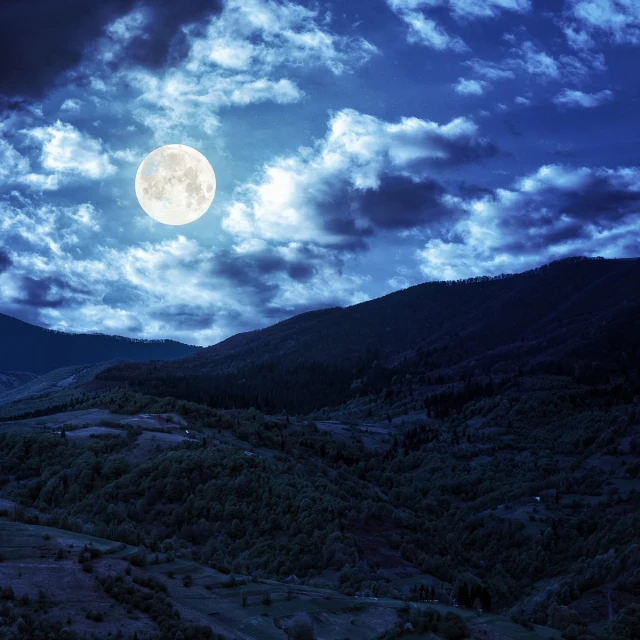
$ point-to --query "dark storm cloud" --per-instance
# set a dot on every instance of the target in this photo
(399, 202)
(250, 270)
(40, 39)
(462, 150)
(5, 261)
(39, 293)
(250, 273)
(186, 318)
(601, 198)
(48, 292)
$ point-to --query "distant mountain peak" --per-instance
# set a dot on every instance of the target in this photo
(27, 347)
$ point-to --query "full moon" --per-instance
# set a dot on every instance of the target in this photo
(175, 184)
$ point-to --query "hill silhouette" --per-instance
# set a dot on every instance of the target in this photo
(546, 317)
(25, 347)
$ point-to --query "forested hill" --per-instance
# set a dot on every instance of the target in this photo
(551, 316)
(25, 347)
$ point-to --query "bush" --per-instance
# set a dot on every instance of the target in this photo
(453, 627)
(266, 597)
(424, 620)
(139, 557)
(300, 628)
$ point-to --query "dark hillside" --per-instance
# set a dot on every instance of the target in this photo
(25, 347)
(448, 329)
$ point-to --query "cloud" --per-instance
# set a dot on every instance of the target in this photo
(67, 152)
(5, 261)
(12, 164)
(555, 212)
(60, 273)
(490, 70)
(573, 98)
(248, 54)
(423, 30)
(616, 20)
(426, 31)
(527, 58)
(466, 87)
(40, 39)
(535, 62)
(365, 174)
(71, 105)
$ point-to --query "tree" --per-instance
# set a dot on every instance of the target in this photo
(463, 595)
(244, 599)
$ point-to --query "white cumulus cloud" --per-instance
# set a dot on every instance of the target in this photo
(573, 98)
(67, 152)
(423, 29)
(467, 87)
(616, 20)
(288, 200)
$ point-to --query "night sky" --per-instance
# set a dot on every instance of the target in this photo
(360, 147)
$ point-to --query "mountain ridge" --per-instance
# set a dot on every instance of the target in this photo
(490, 324)
(33, 349)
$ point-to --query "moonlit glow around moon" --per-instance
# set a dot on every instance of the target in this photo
(175, 184)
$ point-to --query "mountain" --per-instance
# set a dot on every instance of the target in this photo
(25, 347)
(546, 317)
(10, 380)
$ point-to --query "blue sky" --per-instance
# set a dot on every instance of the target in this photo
(360, 147)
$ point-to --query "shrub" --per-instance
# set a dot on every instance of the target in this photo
(300, 628)
(424, 620)
(453, 627)
(139, 557)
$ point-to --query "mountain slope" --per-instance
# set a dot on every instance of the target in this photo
(25, 347)
(486, 324)
(53, 381)
(10, 380)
